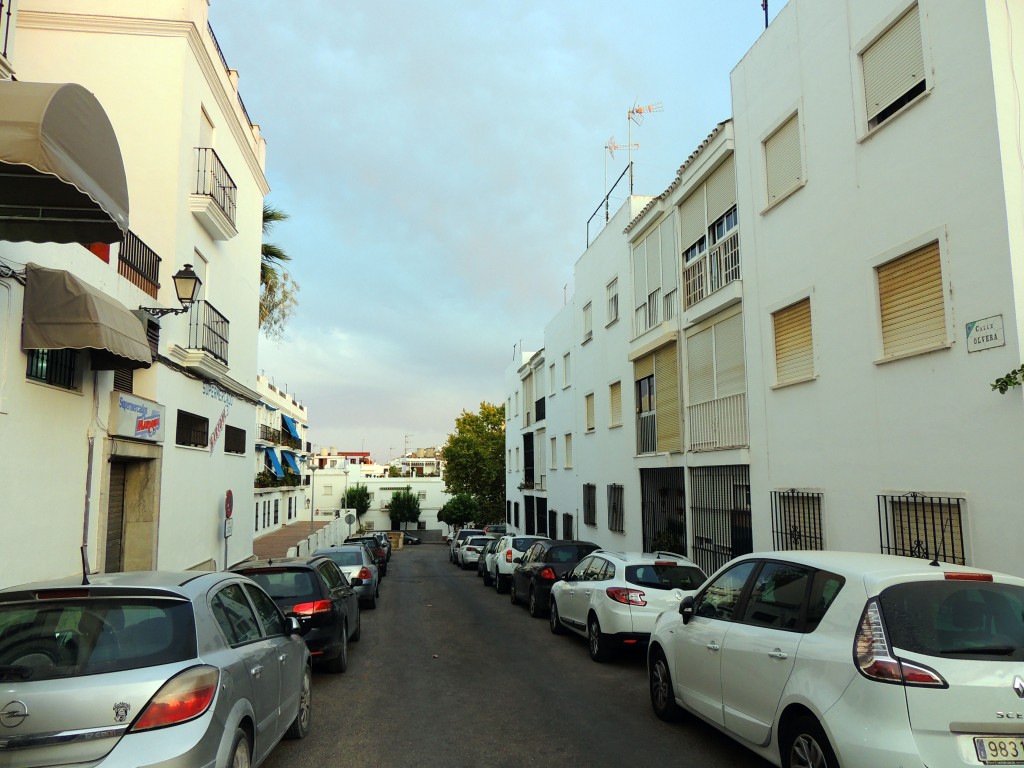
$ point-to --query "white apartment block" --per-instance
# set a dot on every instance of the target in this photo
(282, 451)
(811, 314)
(143, 425)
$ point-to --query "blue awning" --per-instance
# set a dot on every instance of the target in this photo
(289, 459)
(268, 406)
(275, 462)
(289, 424)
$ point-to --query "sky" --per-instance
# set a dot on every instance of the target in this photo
(439, 163)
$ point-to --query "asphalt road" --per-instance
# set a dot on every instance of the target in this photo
(449, 674)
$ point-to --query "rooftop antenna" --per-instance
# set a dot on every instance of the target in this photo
(611, 146)
(636, 115)
(764, 5)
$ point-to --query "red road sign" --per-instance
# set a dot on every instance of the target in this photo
(229, 504)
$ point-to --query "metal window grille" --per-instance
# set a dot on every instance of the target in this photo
(720, 503)
(528, 516)
(541, 505)
(796, 520)
(616, 517)
(663, 509)
(589, 504)
(508, 512)
(53, 366)
(929, 527)
(257, 516)
(208, 330)
(277, 511)
(515, 514)
(567, 529)
(234, 439)
(192, 430)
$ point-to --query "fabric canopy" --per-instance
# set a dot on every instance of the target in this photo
(62, 178)
(62, 312)
(275, 462)
(289, 459)
(289, 425)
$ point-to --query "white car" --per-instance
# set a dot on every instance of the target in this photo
(457, 538)
(841, 658)
(509, 548)
(613, 598)
(470, 549)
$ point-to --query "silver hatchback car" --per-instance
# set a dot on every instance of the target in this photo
(192, 668)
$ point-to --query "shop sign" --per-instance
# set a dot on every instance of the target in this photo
(133, 416)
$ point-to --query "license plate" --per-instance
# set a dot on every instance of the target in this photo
(1000, 750)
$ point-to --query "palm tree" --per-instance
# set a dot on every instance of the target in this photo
(271, 256)
(277, 288)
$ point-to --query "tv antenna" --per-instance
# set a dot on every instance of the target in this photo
(636, 115)
(611, 146)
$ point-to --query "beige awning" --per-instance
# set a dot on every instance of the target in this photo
(62, 312)
(61, 174)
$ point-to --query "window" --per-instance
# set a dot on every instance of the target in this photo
(910, 297)
(53, 366)
(509, 460)
(517, 458)
(929, 527)
(234, 439)
(796, 520)
(257, 527)
(588, 322)
(612, 293)
(794, 348)
(778, 596)
(553, 457)
(327, 490)
(566, 370)
(124, 380)
(551, 379)
(589, 504)
(654, 274)
(615, 404)
(192, 430)
(893, 69)
(590, 411)
(715, 361)
(567, 530)
(515, 514)
(516, 413)
(783, 164)
(235, 616)
(271, 618)
(277, 511)
(646, 432)
(568, 450)
(616, 520)
(719, 599)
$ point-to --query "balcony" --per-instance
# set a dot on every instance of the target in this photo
(213, 201)
(646, 433)
(712, 271)
(208, 330)
(719, 424)
(138, 264)
(6, 22)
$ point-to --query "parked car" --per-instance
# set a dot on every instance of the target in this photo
(380, 554)
(356, 562)
(542, 565)
(510, 546)
(485, 565)
(455, 540)
(496, 530)
(385, 541)
(151, 667)
(316, 591)
(407, 539)
(470, 549)
(613, 598)
(859, 659)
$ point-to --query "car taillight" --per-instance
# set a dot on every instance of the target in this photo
(548, 573)
(508, 555)
(626, 596)
(875, 660)
(308, 609)
(364, 573)
(381, 553)
(181, 698)
(472, 549)
(959, 576)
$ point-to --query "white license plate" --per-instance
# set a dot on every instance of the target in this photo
(1000, 750)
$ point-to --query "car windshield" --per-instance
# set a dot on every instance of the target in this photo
(344, 557)
(74, 637)
(286, 585)
(665, 575)
(956, 619)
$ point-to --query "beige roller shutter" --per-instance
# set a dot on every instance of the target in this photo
(653, 243)
(700, 365)
(615, 403)
(910, 296)
(893, 64)
(639, 274)
(692, 223)
(721, 189)
(670, 254)
(783, 166)
(794, 348)
(666, 399)
(730, 375)
(590, 411)
(643, 367)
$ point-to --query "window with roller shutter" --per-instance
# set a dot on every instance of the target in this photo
(910, 297)
(893, 69)
(794, 347)
(783, 162)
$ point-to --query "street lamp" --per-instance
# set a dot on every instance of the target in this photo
(345, 497)
(186, 286)
(312, 466)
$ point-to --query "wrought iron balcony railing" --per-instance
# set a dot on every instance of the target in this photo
(646, 433)
(138, 264)
(208, 330)
(213, 180)
(712, 271)
(6, 9)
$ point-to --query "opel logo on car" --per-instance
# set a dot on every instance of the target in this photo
(1018, 686)
(14, 713)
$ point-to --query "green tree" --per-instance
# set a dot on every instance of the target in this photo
(405, 507)
(458, 510)
(474, 459)
(278, 291)
(358, 498)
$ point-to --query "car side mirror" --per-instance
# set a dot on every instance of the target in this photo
(517, 559)
(296, 627)
(686, 608)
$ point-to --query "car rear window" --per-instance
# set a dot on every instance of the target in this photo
(479, 541)
(343, 558)
(665, 575)
(956, 619)
(286, 585)
(522, 544)
(568, 553)
(75, 637)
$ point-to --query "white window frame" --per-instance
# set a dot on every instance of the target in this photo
(612, 294)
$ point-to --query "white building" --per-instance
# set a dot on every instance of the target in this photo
(878, 153)
(282, 448)
(143, 448)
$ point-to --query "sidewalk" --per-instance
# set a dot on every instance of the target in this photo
(277, 543)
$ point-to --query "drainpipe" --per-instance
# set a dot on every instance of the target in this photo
(88, 479)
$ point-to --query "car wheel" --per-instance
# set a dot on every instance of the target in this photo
(663, 698)
(536, 609)
(488, 581)
(806, 746)
(513, 596)
(554, 621)
(241, 754)
(300, 726)
(500, 583)
(598, 643)
(340, 662)
(359, 628)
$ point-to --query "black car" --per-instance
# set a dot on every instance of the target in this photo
(481, 563)
(541, 566)
(314, 590)
(376, 548)
(407, 539)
